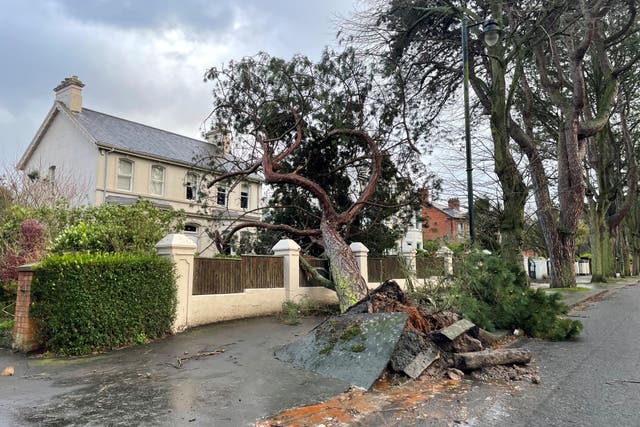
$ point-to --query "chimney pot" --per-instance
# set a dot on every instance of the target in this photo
(454, 203)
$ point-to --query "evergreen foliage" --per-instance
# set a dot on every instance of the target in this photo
(93, 302)
(495, 295)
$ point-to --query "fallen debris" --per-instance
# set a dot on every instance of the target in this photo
(385, 330)
(480, 359)
(180, 360)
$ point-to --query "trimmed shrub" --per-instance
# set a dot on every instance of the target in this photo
(84, 303)
(495, 295)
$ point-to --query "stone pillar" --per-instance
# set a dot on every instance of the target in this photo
(410, 260)
(290, 251)
(447, 254)
(180, 249)
(361, 252)
(24, 327)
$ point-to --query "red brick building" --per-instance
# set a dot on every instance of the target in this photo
(442, 222)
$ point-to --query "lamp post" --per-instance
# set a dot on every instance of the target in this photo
(491, 35)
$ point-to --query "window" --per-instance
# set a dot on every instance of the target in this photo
(191, 186)
(52, 174)
(191, 228)
(460, 229)
(157, 180)
(125, 175)
(221, 199)
(244, 197)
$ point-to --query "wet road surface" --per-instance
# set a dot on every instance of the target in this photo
(146, 385)
(593, 381)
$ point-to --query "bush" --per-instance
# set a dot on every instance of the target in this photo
(6, 332)
(495, 295)
(91, 302)
(117, 228)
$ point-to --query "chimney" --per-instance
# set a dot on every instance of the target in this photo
(220, 139)
(69, 92)
(454, 203)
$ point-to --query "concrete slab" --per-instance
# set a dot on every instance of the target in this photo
(354, 347)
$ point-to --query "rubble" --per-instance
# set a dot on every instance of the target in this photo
(387, 331)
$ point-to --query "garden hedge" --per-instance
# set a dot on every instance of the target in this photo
(85, 303)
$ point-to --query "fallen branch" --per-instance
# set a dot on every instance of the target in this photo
(201, 355)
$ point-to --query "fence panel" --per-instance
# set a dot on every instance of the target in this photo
(458, 260)
(393, 267)
(320, 264)
(388, 267)
(429, 266)
(262, 272)
(375, 269)
(217, 276)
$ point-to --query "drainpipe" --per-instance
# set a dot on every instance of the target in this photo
(105, 153)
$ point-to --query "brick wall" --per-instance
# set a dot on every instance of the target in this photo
(440, 225)
(24, 327)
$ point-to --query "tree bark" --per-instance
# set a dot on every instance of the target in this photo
(349, 283)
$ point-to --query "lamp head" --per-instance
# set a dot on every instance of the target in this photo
(491, 32)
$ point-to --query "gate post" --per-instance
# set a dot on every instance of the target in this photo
(24, 339)
(361, 253)
(290, 251)
(180, 249)
(447, 254)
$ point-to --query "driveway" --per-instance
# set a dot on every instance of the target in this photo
(147, 385)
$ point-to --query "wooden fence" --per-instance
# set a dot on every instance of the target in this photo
(320, 264)
(229, 276)
(389, 267)
(428, 267)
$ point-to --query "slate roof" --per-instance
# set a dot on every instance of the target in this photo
(453, 213)
(136, 137)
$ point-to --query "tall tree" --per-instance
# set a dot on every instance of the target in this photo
(420, 42)
(568, 41)
(288, 117)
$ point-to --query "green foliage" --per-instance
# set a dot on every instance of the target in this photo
(92, 302)
(495, 295)
(340, 91)
(118, 228)
(6, 333)
(292, 312)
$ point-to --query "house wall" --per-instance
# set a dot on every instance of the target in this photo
(439, 225)
(66, 147)
(174, 192)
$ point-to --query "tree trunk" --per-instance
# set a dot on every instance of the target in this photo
(349, 283)
(602, 251)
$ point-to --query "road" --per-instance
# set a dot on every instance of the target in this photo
(594, 381)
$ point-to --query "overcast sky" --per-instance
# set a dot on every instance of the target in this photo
(142, 60)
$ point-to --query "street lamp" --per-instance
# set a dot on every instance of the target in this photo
(491, 36)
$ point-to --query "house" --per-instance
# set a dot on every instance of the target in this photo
(121, 161)
(444, 222)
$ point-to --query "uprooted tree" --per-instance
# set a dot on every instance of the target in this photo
(274, 108)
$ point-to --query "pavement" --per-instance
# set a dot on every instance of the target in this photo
(219, 375)
(585, 290)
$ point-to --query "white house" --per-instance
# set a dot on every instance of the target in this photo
(122, 161)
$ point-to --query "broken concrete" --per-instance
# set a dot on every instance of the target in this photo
(352, 347)
(460, 327)
(413, 354)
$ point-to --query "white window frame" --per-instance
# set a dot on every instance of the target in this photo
(152, 180)
(130, 176)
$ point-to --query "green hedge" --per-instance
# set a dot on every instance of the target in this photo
(84, 303)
